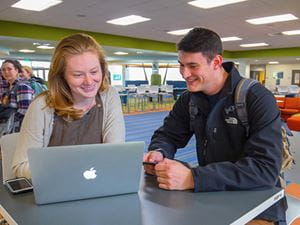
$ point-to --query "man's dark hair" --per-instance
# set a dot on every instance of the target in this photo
(202, 40)
(15, 63)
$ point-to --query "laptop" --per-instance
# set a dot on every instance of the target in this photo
(65, 173)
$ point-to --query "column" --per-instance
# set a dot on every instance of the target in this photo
(244, 69)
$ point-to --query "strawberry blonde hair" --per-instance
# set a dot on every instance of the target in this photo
(59, 94)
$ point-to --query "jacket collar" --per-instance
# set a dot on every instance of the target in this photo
(232, 80)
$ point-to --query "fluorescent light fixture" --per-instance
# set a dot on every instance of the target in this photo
(121, 53)
(45, 47)
(224, 39)
(291, 32)
(180, 32)
(206, 4)
(128, 20)
(253, 45)
(35, 5)
(273, 62)
(26, 50)
(272, 19)
(236, 63)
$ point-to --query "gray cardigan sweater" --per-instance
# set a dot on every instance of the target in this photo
(37, 128)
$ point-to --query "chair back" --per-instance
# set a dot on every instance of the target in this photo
(169, 89)
(293, 211)
(141, 90)
(8, 146)
(153, 89)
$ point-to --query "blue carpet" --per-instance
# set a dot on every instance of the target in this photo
(141, 127)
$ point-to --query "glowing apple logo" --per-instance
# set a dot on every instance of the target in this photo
(90, 174)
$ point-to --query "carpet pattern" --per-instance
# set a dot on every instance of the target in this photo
(141, 127)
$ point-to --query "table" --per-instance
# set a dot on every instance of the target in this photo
(151, 206)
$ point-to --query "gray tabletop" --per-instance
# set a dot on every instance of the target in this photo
(151, 206)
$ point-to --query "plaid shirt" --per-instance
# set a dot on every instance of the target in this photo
(19, 97)
(3, 86)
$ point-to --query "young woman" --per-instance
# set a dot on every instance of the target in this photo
(79, 107)
(18, 96)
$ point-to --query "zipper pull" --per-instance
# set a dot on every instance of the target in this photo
(204, 144)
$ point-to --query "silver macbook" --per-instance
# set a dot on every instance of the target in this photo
(66, 173)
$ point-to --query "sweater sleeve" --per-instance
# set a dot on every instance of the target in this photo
(113, 119)
(31, 135)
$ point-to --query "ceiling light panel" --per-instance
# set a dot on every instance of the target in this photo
(26, 50)
(121, 53)
(273, 62)
(35, 5)
(128, 20)
(206, 4)
(234, 38)
(253, 45)
(291, 32)
(272, 19)
(180, 32)
(45, 47)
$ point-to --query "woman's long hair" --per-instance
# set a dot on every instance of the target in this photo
(59, 95)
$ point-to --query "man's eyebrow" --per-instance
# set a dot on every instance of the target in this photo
(189, 64)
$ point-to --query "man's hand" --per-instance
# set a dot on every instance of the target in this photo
(152, 156)
(173, 175)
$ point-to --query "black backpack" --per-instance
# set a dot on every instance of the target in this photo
(240, 97)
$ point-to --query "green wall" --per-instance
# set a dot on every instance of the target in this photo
(32, 31)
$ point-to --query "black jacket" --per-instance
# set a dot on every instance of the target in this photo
(228, 160)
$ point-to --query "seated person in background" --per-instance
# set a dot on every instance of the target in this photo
(36, 83)
(3, 85)
(228, 159)
(79, 107)
(18, 96)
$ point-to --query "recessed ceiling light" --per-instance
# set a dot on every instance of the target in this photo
(291, 32)
(26, 50)
(139, 52)
(272, 19)
(128, 20)
(179, 32)
(213, 3)
(35, 5)
(45, 47)
(224, 39)
(253, 45)
(273, 62)
(121, 53)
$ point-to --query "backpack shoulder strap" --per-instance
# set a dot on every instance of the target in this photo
(240, 96)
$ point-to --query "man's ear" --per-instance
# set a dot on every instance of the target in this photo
(217, 61)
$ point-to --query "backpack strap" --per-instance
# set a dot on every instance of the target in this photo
(240, 96)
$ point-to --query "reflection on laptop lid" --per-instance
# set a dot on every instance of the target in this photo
(65, 173)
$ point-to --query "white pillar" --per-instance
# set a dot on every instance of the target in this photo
(155, 68)
(125, 74)
(244, 69)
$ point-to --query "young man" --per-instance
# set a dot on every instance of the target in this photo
(228, 158)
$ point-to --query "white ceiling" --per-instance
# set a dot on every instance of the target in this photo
(166, 15)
